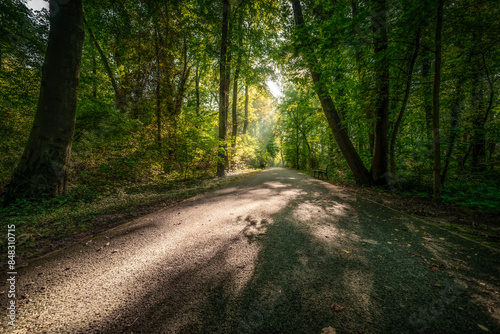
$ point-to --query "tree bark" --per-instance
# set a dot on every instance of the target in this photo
(435, 104)
(361, 174)
(381, 148)
(43, 168)
(223, 90)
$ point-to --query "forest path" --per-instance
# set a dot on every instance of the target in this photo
(277, 252)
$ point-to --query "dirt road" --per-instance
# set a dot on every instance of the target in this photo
(277, 252)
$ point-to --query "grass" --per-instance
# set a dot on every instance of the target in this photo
(47, 225)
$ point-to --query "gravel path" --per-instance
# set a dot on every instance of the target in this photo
(277, 252)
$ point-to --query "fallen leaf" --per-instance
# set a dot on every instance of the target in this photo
(328, 330)
(483, 328)
(114, 251)
(346, 251)
(437, 285)
(337, 307)
(442, 239)
(390, 243)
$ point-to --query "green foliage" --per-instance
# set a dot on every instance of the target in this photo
(131, 136)
(481, 195)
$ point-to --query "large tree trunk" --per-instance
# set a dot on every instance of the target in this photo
(381, 147)
(43, 168)
(361, 174)
(223, 91)
(435, 104)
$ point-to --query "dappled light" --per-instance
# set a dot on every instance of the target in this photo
(250, 167)
(276, 252)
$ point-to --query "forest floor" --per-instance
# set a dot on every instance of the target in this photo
(275, 252)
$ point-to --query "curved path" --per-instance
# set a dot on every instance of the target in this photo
(277, 252)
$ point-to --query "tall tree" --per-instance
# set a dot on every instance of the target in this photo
(381, 149)
(223, 89)
(361, 174)
(43, 168)
(403, 107)
(245, 121)
(435, 103)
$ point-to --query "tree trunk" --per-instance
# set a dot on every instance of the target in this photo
(245, 122)
(158, 90)
(43, 168)
(361, 174)
(234, 114)
(179, 100)
(223, 91)
(403, 108)
(455, 113)
(435, 104)
(197, 89)
(381, 149)
(479, 136)
(105, 62)
(427, 94)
